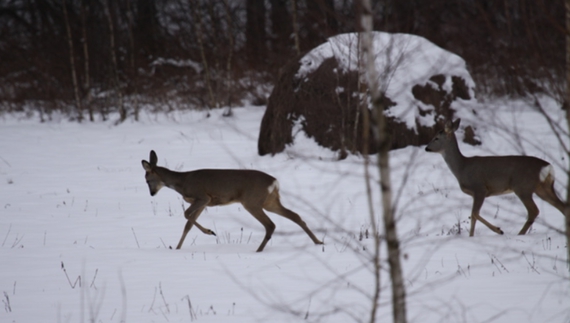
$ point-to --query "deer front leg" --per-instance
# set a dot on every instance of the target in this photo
(192, 213)
(477, 204)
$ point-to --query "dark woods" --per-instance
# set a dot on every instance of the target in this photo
(88, 58)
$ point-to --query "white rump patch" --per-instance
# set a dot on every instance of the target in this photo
(273, 186)
(545, 171)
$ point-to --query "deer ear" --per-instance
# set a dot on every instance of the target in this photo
(153, 158)
(147, 167)
(451, 127)
(456, 124)
(448, 127)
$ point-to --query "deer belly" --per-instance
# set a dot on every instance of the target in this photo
(218, 200)
(499, 192)
(214, 200)
(488, 191)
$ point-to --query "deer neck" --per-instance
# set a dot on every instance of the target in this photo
(453, 157)
(171, 179)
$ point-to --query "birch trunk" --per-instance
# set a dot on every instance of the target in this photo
(567, 108)
(122, 111)
(87, 77)
(199, 35)
(376, 87)
(72, 64)
(295, 27)
(229, 21)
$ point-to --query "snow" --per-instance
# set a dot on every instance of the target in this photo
(74, 195)
(402, 61)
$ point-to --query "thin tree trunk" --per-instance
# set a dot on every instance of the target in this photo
(230, 24)
(376, 265)
(122, 111)
(72, 64)
(132, 63)
(377, 92)
(364, 43)
(87, 77)
(567, 108)
(295, 27)
(199, 36)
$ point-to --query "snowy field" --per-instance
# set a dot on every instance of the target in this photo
(81, 239)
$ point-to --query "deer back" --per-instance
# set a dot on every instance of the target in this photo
(224, 186)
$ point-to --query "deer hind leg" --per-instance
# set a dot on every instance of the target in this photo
(477, 204)
(531, 208)
(545, 191)
(273, 204)
(258, 213)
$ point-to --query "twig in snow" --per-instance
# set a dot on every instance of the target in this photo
(137, 240)
(163, 299)
(495, 261)
(308, 309)
(5, 161)
(532, 266)
(17, 241)
(150, 309)
(77, 280)
(94, 277)
(163, 243)
(7, 233)
(192, 311)
(6, 302)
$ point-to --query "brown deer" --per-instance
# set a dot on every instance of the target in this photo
(481, 177)
(255, 190)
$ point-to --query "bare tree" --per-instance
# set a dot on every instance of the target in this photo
(121, 106)
(566, 106)
(377, 91)
(230, 24)
(72, 63)
(255, 32)
(200, 36)
(295, 26)
(87, 76)
(132, 61)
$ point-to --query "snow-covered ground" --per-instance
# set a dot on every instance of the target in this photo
(81, 239)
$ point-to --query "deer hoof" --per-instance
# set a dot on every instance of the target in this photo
(210, 232)
(500, 231)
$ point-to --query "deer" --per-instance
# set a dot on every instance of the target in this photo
(255, 190)
(484, 176)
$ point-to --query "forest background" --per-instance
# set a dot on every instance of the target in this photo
(89, 58)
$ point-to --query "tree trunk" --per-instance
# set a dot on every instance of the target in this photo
(72, 63)
(199, 35)
(255, 32)
(228, 112)
(567, 108)
(133, 71)
(377, 91)
(87, 76)
(295, 26)
(121, 106)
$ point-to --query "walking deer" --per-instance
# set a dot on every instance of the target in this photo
(481, 177)
(255, 190)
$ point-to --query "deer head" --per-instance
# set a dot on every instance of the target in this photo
(154, 181)
(439, 143)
